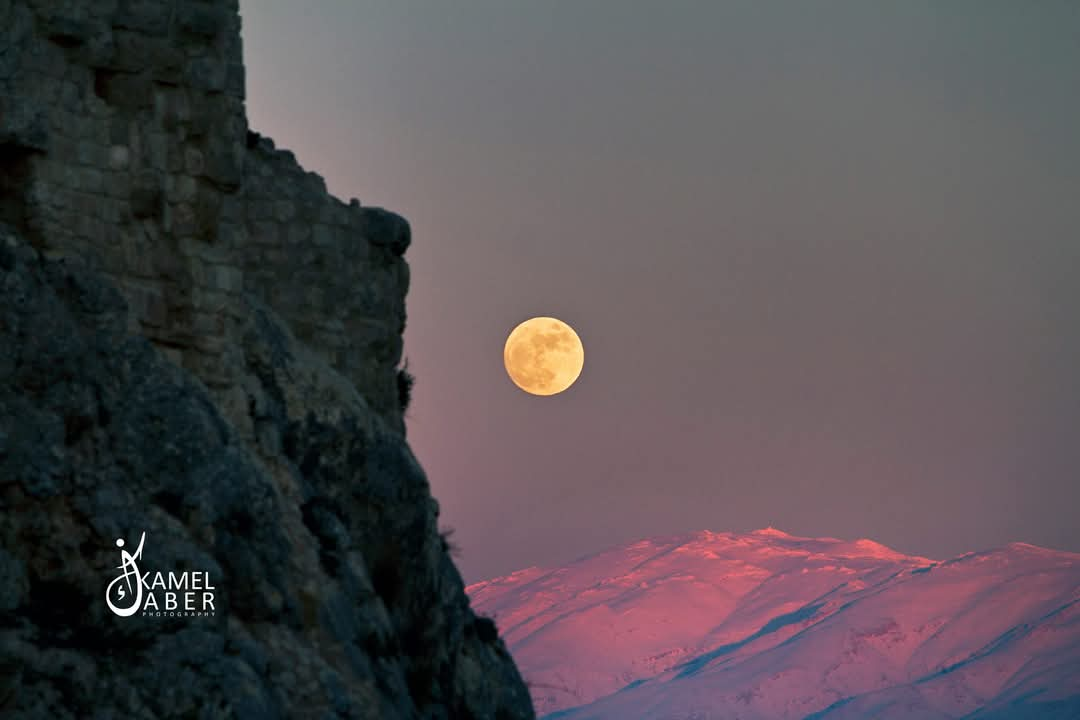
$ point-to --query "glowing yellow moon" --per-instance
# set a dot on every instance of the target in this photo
(543, 356)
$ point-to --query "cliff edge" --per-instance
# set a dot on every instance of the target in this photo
(200, 402)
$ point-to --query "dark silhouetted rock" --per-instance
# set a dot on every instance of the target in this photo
(198, 343)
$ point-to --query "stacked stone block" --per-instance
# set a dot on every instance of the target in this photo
(124, 145)
(345, 292)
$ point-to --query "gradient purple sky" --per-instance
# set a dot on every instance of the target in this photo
(824, 257)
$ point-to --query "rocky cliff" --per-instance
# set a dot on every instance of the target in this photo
(199, 353)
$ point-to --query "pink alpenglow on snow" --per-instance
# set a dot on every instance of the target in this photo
(768, 626)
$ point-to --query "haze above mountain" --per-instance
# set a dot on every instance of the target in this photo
(766, 625)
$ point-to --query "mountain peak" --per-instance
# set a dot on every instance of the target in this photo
(770, 531)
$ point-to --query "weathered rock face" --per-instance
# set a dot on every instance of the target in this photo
(199, 344)
(125, 144)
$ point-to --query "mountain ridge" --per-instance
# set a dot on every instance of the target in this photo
(771, 625)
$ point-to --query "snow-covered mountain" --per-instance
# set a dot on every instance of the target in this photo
(767, 626)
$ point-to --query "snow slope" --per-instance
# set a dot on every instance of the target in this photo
(766, 626)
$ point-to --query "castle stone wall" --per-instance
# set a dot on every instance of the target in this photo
(125, 146)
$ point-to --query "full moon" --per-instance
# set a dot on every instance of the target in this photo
(543, 356)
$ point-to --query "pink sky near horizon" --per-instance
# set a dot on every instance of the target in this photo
(823, 261)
